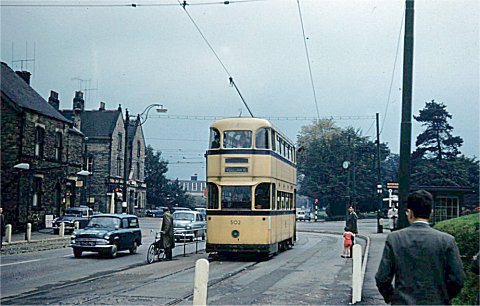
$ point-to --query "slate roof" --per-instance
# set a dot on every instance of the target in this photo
(19, 92)
(96, 123)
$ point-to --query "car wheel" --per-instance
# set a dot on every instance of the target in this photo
(134, 248)
(77, 253)
(56, 231)
(114, 251)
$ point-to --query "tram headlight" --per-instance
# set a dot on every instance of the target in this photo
(235, 234)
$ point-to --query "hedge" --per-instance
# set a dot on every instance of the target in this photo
(466, 232)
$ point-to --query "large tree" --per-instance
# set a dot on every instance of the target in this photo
(436, 142)
(323, 149)
(155, 177)
(160, 190)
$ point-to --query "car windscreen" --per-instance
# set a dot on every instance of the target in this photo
(104, 222)
(74, 212)
(183, 216)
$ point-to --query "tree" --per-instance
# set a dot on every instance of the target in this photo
(323, 149)
(155, 177)
(436, 142)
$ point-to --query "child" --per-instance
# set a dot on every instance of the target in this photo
(347, 242)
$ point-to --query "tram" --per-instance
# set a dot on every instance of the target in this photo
(251, 188)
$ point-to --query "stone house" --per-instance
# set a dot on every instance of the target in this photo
(41, 154)
(104, 157)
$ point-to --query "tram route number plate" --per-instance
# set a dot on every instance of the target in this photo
(236, 169)
(235, 222)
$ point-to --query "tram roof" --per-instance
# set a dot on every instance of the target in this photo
(242, 123)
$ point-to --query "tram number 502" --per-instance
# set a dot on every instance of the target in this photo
(234, 222)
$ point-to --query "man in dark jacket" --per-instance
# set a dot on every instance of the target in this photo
(425, 262)
(167, 241)
(2, 227)
(351, 225)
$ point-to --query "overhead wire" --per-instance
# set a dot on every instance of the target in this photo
(230, 78)
(122, 5)
(393, 73)
(308, 59)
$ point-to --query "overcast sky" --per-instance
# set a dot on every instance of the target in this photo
(152, 53)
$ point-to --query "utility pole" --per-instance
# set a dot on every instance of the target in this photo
(125, 164)
(406, 125)
(379, 180)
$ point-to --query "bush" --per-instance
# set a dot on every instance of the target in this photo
(465, 231)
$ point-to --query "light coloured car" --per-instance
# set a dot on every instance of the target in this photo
(303, 215)
(189, 224)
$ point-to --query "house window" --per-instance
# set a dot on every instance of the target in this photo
(39, 141)
(120, 138)
(446, 208)
(139, 177)
(139, 149)
(58, 146)
(89, 165)
(119, 166)
(37, 192)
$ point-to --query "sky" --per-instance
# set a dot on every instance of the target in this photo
(154, 53)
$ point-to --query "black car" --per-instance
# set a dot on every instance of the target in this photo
(155, 213)
(80, 214)
(108, 234)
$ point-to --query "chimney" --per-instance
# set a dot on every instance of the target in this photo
(53, 100)
(102, 106)
(25, 75)
(78, 102)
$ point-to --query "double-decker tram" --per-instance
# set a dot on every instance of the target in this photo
(251, 188)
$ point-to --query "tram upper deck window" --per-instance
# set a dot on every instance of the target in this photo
(214, 139)
(262, 139)
(236, 197)
(237, 139)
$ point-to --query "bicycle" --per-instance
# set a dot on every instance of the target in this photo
(154, 250)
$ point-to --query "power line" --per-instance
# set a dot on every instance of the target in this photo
(393, 72)
(308, 58)
(295, 118)
(230, 78)
(124, 5)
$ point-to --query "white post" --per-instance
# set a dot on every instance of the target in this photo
(77, 225)
(201, 282)
(8, 233)
(357, 274)
(61, 231)
(29, 232)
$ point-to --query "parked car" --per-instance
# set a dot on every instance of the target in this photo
(303, 215)
(155, 213)
(108, 234)
(189, 224)
(80, 214)
(202, 210)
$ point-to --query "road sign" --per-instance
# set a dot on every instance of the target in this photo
(392, 185)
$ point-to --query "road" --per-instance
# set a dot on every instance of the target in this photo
(311, 273)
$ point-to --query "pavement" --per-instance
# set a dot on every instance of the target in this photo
(44, 239)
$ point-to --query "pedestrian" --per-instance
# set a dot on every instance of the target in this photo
(425, 262)
(2, 227)
(347, 242)
(351, 225)
(392, 218)
(167, 240)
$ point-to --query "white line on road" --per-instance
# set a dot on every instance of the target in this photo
(19, 262)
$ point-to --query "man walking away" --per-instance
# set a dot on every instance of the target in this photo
(425, 262)
(351, 225)
(167, 241)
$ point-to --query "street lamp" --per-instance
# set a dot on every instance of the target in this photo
(143, 118)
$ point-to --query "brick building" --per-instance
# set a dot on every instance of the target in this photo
(36, 135)
(104, 156)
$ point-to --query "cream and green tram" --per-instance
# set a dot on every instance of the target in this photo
(251, 188)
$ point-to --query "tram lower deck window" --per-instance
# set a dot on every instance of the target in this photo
(236, 197)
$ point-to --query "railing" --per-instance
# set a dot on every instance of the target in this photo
(186, 234)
